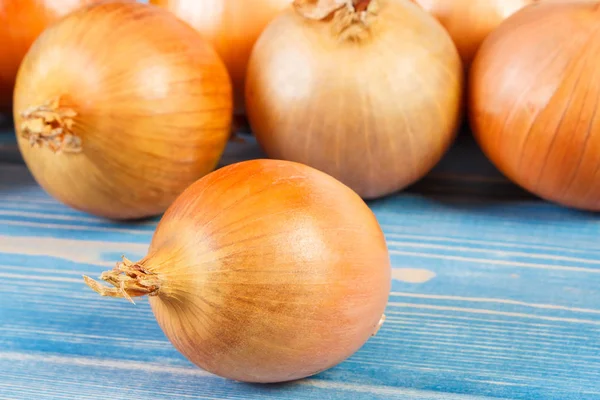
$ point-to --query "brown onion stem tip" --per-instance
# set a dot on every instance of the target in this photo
(51, 125)
(129, 280)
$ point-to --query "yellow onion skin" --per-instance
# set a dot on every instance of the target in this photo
(21, 21)
(376, 111)
(470, 21)
(535, 101)
(232, 26)
(153, 104)
(268, 271)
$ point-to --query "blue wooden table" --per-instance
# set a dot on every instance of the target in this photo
(495, 295)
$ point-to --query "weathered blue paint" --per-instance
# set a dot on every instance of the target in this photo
(495, 296)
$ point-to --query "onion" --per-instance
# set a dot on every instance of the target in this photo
(470, 21)
(370, 93)
(21, 21)
(232, 26)
(263, 271)
(535, 101)
(119, 107)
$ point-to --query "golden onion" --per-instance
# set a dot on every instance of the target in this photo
(119, 107)
(369, 92)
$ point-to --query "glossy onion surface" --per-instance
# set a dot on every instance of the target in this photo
(535, 101)
(375, 105)
(232, 26)
(470, 21)
(119, 107)
(21, 22)
(270, 271)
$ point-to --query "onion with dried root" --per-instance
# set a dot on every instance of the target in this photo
(367, 91)
(119, 107)
(263, 271)
(535, 101)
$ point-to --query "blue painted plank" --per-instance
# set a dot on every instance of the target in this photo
(92, 378)
(494, 296)
(489, 299)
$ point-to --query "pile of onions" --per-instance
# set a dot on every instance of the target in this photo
(21, 22)
(370, 91)
(535, 101)
(232, 26)
(470, 21)
(119, 107)
(263, 271)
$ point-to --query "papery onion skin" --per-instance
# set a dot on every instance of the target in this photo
(21, 22)
(535, 101)
(376, 111)
(470, 21)
(232, 26)
(152, 104)
(266, 271)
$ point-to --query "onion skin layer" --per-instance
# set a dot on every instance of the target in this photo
(21, 22)
(292, 272)
(470, 21)
(232, 26)
(153, 106)
(376, 113)
(269, 271)
(535, 101)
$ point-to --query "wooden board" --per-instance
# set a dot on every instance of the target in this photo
(495, 295)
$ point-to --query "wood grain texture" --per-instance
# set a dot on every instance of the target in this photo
(493, 297)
